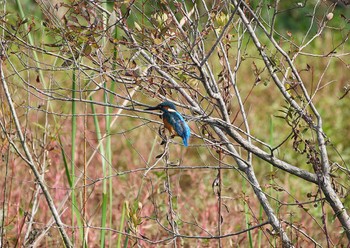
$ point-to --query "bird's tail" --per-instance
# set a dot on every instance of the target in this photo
(185, 141)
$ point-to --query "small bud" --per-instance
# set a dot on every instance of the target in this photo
(329, 16)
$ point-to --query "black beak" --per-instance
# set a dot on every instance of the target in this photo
(153, 108)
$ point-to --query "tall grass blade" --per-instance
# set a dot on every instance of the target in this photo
(75, 209)
(104, 184)
(121, 227)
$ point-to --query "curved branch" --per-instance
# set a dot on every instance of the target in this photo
(31, 163)
(323, 177)
(310, 177)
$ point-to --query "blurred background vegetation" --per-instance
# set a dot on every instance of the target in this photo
(105, 151)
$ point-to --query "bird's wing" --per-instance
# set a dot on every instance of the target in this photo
(181, 126)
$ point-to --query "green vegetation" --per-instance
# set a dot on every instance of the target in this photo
(80, 83)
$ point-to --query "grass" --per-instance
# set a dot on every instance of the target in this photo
(121, 202)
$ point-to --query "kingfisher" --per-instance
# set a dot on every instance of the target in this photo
(173, 121)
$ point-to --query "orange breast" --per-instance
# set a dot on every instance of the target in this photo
(168, 126)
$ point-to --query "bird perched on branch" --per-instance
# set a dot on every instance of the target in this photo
(173, 121)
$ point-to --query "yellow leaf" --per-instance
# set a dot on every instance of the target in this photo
(157, 41)
(137, 26)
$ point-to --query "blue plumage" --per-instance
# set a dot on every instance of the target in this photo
(174, 121)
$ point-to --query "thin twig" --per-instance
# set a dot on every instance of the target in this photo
(31, 163)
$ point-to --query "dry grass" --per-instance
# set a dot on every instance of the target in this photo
(195, 204)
